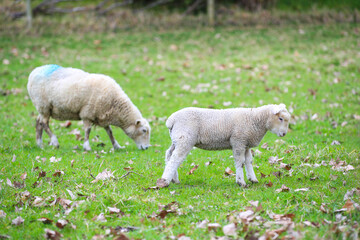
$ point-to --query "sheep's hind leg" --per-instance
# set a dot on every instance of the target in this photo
(87, 128)
(115, 144)
(167, 158)
(39, 131)
(250, 174)
(44, 121)
(177, 157)
(239, 157)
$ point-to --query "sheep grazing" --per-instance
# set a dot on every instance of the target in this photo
(239, 129)
(72, 94)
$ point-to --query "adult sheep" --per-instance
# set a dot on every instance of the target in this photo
(239, 129)
(72, 94)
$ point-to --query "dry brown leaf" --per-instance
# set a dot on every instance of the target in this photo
(113, 210)
(269, 184)
(65, 124)
(283, 189)
(228, 171)
(17, 221)
(193, 169)
(61, 223)
(45, 220)
(349, 206)
(213, 226)
(23, 176)
(230, 229)
(104, 175)
(51, 234)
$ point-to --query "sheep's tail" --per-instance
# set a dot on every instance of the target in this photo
(170, 122)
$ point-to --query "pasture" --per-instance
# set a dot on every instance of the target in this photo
(314, 70)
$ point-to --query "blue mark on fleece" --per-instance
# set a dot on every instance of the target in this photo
(47, 70)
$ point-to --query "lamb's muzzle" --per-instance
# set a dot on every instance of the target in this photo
(239, 129)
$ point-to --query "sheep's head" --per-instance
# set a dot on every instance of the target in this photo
(140, 133)
(279, 120)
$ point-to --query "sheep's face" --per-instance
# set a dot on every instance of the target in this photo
(140, 133)
(279, 122)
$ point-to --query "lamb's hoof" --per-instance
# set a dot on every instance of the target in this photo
(242, 184)
(254, 180)
(175, 181)
(117, 146)
(86, 146)
(161, 183)
(56, 145)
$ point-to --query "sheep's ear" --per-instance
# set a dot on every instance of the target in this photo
(138, 122)
(278, 108)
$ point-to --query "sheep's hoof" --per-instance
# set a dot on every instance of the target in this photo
(242, 184)
(117, 146)
(161, 183)
(175, 181)
(254, 180)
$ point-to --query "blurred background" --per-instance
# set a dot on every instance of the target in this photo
(39, 16)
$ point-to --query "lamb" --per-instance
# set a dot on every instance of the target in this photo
(73, 94)
(239, 129)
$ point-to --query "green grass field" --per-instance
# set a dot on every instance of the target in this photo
(314, 70)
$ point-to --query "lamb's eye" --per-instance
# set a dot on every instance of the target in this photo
(144, 130)
(281, 119)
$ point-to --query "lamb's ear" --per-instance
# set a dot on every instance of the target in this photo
(138, 122)
(278, 108)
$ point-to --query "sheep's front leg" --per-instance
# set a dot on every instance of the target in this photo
(177, 157)
(44, 121)
(39, 131)
(239, 157)
(87, 128)
(250, 174)
(167, 159)
(115, 144)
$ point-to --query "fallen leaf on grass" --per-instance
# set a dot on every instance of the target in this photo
(23, 176)
(301, 190)
(54, 159)
(51, 234)
(2, 214)
(285, 166)
(17, 221)
(208, 163)
(277, 174)
(283, 189)
(350, 193)
(230, 229)
(65, 124)
(104, 175)
(335, 142)
(38, 202)
(45, 220)
(202, 224)
(269, 184)
(193, 169)
(58, 173)
(213, 226)
(61, 223)
(349, 206)
(100, 218)
(273, 160)
(228, 171)
(72, 195)
(113, 210)
(323, 208)
(8, 182)
(265, 146)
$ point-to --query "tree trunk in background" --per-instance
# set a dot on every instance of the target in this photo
(29, 13)
(211, 12)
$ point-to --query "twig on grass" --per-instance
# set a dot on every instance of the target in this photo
(126, 174)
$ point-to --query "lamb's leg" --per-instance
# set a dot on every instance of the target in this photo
(87, 128)
(177, 157)
(39, 131)
(239, 157)
(44, 121)
(115, 144)
(167, 158)
(250, 174)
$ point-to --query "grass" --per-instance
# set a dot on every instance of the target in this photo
(313, 70)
